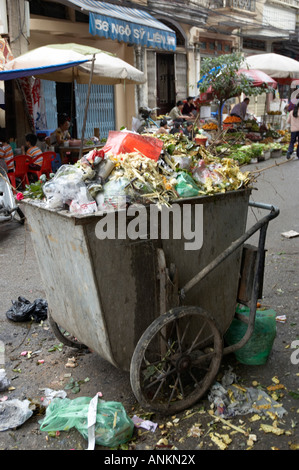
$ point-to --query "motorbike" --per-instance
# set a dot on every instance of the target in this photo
(146, 122)
(9, 208)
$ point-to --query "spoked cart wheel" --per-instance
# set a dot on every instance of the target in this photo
(176, 360)
(63, 336)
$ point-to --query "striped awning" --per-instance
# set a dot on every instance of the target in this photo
(129, 25)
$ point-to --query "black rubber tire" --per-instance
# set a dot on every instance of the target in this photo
(58, 332)
(177, 377)
(19, 216)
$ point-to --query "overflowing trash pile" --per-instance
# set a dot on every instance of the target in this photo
(138, 169)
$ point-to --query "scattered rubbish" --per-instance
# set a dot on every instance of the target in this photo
(30, 354)
(56, 347)
(4, 381)
(74, 385)
(50, 394)
(195, 431)
(275, 380)
(144, 423)
(141, 168)
(251, 440)
(26, 353)
(281, 318)
(71, 362)
(294, 446)
(125, 142)
(67, 184)
(23, 310)
(233, 426)
(106, 421)
(14, 413)
(273, 429)
(256, 351)
(230, 399)
(221, 440)
(290, 234)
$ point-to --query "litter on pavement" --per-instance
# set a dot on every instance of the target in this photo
(231, 399)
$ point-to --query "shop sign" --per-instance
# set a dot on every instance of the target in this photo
(119, 30)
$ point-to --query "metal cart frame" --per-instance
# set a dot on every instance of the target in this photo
(173, 346)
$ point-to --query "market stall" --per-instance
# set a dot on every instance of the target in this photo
(73, 62)
(284, 70)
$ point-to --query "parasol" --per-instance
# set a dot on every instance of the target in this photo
(275, 65)
(258, 78)
(68, 62)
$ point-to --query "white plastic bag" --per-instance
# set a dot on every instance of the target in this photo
(113, 197)
(14, 413)
(83, 203)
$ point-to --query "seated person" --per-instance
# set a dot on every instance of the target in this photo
(188, 126)
(33, 151)
(61, 134)
(189, 107)
(163, 127)
(176, 129)
(6, 152)
(240, 109)
(177, 115)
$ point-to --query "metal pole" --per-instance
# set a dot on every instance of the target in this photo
(232, 248)
(86, 106)
(251, 319)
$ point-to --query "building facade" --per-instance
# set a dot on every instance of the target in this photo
(201, 28)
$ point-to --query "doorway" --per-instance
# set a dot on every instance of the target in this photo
(66, 104)
(165, 83)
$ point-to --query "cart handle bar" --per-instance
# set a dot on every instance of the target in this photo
(273, 213)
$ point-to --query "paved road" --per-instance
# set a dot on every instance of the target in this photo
(279, 186)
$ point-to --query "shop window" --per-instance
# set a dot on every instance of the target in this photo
(50, 9)
(255, 44)
(81, 17)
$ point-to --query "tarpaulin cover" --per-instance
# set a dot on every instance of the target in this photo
(126, 142)
(28, 72)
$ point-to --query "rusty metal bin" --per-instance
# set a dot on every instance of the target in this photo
(121, 297)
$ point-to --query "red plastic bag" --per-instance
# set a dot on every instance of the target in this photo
(127, 142)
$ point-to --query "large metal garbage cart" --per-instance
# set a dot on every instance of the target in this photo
(149, 306)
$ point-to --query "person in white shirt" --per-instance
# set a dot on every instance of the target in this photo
(177, 115)
(293, 119)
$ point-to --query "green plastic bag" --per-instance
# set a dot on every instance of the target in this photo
(186, 186)
(112, 425)
(257, 349)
